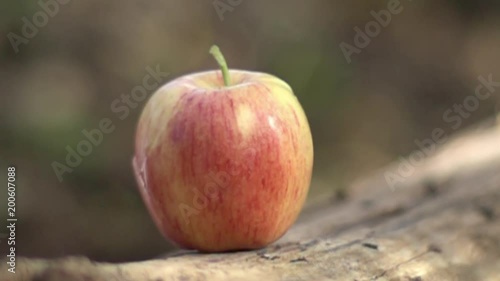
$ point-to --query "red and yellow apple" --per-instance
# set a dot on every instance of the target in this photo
(223, 159)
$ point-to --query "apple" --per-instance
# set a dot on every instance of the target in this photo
(223, 159)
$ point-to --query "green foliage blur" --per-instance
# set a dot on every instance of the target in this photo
(363, 114)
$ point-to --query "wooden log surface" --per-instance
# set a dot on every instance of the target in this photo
(442, 222)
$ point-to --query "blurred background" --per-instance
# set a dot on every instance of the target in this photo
(63, 64)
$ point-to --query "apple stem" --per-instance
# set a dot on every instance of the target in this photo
(215, 51)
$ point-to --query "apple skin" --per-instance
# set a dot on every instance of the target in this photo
(223, 168)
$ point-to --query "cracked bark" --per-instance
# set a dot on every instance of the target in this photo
(442, 223)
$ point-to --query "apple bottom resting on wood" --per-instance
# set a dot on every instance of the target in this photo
(223, 167)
